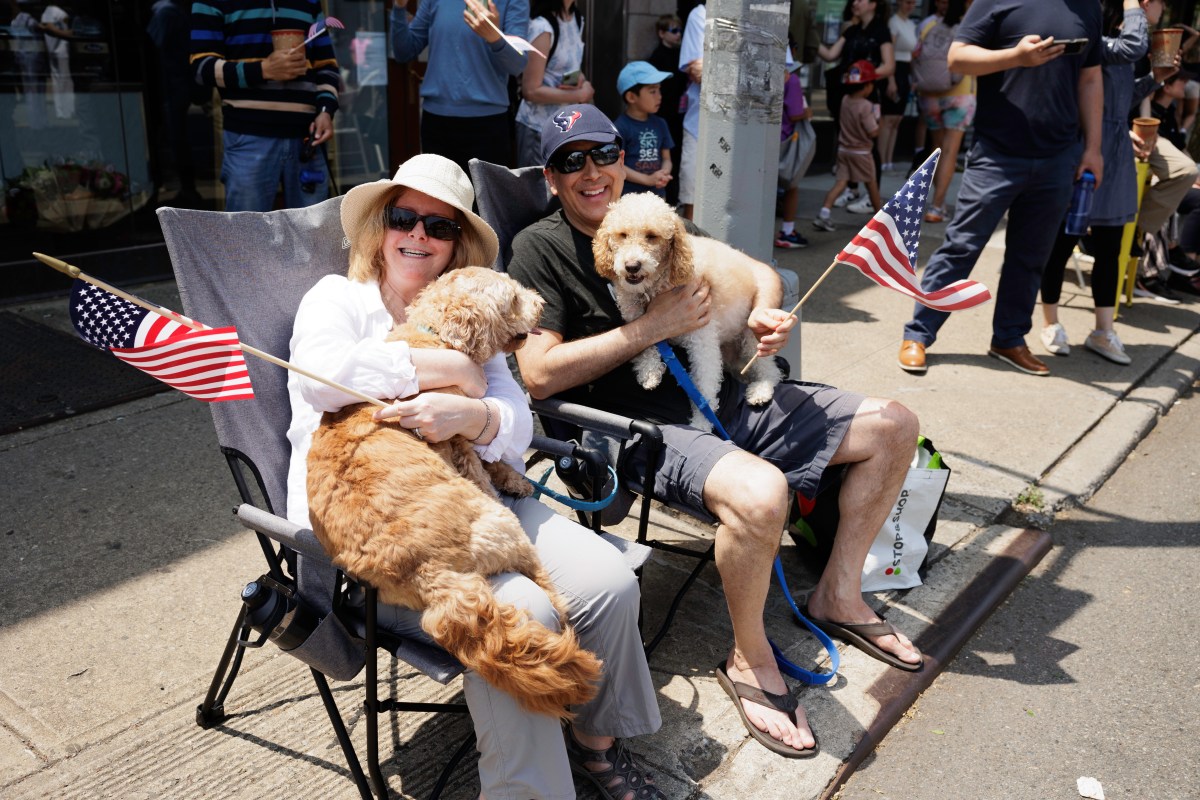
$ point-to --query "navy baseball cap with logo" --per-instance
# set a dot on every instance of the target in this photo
(578, 123)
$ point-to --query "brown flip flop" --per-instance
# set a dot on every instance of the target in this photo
(780, 702)
(856, 633)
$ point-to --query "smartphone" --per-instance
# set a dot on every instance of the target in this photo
(572, 77)
(1073, 46)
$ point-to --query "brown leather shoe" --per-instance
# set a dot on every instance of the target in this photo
(912, 357)
(1021, 358)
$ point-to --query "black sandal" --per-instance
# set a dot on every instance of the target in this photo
(620, 776)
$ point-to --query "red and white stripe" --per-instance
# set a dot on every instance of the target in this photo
(878, 252)
(207, 364)
(163, 325)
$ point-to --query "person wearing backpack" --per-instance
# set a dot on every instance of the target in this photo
(549, 85)
(947, 99)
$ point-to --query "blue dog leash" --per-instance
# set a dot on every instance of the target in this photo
(540, 488)
(785, 666)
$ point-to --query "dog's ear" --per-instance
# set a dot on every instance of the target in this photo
(602, 252)
(465, 326)
(682, 264)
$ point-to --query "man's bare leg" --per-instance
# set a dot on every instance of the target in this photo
(750, 497)
(878, 447)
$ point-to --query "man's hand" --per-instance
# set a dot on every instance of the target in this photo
(284, 65)
(772, 327)
(1092, 160)
(681, 310)
(1033, 50)
(695, 70)
(321, 128)
(477, 18)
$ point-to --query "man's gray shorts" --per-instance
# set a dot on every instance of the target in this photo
(798, 431)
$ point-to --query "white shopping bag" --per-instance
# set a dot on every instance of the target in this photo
(900, 547)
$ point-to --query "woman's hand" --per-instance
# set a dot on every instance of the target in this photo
(477, 18)
(437, 369)
(584, 92)
(436, 416)
(1142, 148)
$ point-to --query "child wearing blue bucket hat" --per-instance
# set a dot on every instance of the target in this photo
(647, 139)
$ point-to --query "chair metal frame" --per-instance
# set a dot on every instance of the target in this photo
(277, 551)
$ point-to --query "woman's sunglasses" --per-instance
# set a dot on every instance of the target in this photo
(436, 227)
(570, 161)
(674, 30)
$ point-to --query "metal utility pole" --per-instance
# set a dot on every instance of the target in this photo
(741, 102)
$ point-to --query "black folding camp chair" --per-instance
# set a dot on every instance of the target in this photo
(510, 200)
(250, 270)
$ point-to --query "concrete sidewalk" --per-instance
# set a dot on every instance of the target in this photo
(122, 566)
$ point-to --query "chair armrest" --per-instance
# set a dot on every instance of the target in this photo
(287, 533)
(596, 420)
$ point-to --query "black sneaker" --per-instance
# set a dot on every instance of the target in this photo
(1155, 289)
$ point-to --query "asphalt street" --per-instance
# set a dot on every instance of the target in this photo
(1089, 669)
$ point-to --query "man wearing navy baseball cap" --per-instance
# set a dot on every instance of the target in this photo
(805, 439)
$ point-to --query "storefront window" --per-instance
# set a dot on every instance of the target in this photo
(101, 122)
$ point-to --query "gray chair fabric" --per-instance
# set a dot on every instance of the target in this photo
(250, 270)
(509, 200)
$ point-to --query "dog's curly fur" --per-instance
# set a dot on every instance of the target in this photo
(643, 249)
(421, 522)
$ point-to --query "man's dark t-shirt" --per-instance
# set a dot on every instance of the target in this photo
(556, 260)
(1031, 112)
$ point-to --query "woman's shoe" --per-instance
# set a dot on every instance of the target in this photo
(1054, 338)
(1106, 344)
(613, 772)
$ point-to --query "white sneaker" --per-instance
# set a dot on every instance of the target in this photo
(1054, 338)
(823, 224)
(1107, 344)
(863, 206)
(848, 195)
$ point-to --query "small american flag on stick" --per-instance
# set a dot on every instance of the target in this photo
(206, 364)
(885, 250)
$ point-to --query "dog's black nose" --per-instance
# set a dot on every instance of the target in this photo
(633, 267)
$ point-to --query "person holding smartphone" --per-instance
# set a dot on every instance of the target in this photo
(548, 85)
(1037, 129)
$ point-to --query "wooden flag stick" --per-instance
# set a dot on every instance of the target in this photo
(492, 25)
(74, 272)
(792, 313)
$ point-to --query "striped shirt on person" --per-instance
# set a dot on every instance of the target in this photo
(229, 41)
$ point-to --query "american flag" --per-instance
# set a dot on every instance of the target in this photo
(206, 364)
(886, 249)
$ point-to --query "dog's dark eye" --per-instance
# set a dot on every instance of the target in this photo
(651, 237)
(622, 235)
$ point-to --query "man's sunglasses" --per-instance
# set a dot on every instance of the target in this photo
(569, 161)
(436, 227)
